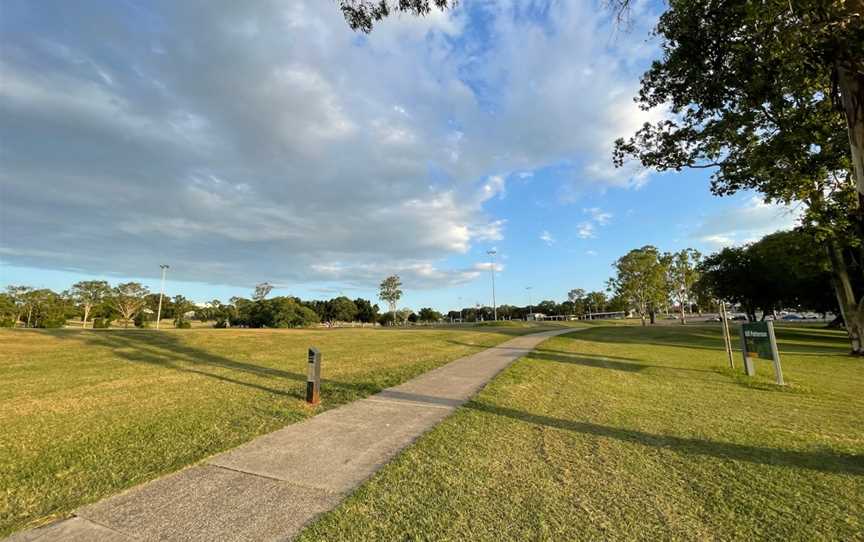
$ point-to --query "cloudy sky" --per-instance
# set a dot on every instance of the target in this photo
(243, 142)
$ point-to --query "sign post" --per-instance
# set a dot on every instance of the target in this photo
(775, 355)
(313, 378)
(758, 342)
(727, 337)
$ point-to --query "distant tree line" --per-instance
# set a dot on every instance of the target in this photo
(784, 270)
(96, 304)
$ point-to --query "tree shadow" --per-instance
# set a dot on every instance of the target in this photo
(596, 362)
(831, 462)
(412, 397)
(706, 337)
(605, 361)
(166, 350)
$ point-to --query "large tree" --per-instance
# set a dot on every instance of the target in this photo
(640, 278)
(781, 270)
(18, 296)
(366, 311)
(577, 300)
(390, 290)
(770, 96)
(682, 275)
(88, 294)
(128, 298)
(262, 290)
(341, 309)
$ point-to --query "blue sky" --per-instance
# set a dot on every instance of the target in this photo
(266, 142)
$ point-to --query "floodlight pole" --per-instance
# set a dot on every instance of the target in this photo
(492, 254)
(164, 268)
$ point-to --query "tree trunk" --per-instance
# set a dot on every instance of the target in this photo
(851, 84)
(86, 314)
(852, 311)
(683, 318)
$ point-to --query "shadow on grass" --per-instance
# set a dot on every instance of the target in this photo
(798, 341)
(837, 463)
(617, 363)
(166, 350)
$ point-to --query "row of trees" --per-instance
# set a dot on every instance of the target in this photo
(590, 303)
(98, 304)
(93, 301)
(648, 280)
(784, 270)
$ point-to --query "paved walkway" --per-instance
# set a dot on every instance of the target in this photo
(271, 487)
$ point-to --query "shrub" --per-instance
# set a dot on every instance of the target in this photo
(101, 323)
(52, 321)
(182, 324)
(141, 320)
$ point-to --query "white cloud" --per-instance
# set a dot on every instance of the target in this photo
(598, 215)
(547, 238)
(486, 266)
(745, 224)
(590, 252)
(264, 140)
(586, 230)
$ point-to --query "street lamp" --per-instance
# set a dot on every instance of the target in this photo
(492, 254)
(528, 289)
(164, 268)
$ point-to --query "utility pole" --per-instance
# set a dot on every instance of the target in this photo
(492, 254)
(161, 293)
(528, 288)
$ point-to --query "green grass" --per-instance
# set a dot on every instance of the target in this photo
(639, 434)
(85, 414)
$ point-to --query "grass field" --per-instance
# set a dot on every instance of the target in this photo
(633, 433)
(85, 414)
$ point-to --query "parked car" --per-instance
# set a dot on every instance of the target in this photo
(792, 317)
(739, 318)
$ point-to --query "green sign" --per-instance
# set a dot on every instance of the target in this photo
(757, 340)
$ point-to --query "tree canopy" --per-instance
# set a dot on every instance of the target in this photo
(363, 14)
(640, 278)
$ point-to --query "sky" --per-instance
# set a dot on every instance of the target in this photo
(243, 142)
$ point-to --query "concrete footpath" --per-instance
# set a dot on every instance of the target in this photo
(271, 487)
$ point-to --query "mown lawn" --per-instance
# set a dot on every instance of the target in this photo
(637, 434)
(85, 414)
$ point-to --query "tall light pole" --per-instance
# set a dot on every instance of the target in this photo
(528, 289)
(164, 268)
(461, 316)
(492, 254)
